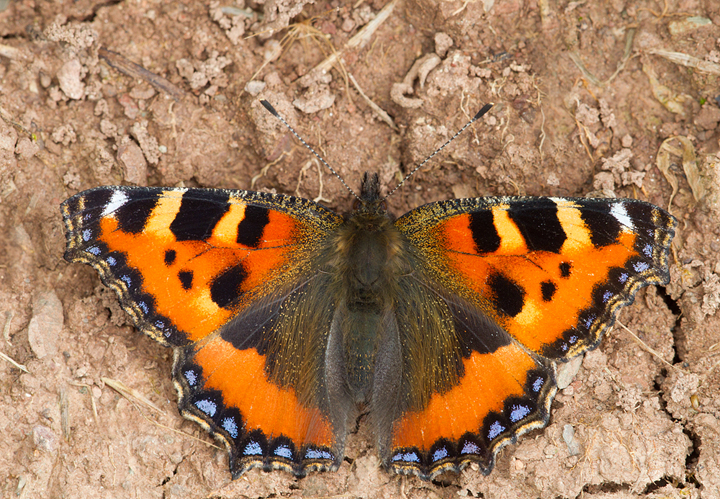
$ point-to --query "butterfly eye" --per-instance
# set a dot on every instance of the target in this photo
(357, 204)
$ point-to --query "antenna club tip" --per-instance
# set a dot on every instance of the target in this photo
(269, 107)
(482, 111)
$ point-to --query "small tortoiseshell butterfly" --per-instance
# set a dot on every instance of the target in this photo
(444, 324)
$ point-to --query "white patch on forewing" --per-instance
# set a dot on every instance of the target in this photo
(621, 215)
(561, 201)
(118, 199)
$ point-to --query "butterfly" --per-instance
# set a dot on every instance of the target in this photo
(444, 325)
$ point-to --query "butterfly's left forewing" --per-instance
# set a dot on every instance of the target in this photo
(544, 277)
(213, 273)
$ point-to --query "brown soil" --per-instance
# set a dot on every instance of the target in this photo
(583, 102)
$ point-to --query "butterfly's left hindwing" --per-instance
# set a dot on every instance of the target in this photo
(213, 273)
(545, 277)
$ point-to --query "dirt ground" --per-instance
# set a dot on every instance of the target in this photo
(603, 98)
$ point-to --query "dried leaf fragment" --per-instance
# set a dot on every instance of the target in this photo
(690, 166)
(673, 102)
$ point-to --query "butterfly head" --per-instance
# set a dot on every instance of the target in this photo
(369, 200)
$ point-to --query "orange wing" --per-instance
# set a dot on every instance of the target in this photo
(527, 281)
(209, 272)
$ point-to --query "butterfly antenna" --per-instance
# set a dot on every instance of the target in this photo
(272, 111)
(479, 115)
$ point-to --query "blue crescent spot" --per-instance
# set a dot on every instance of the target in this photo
(648, 250)
(284, 451)
(317, 454)
(191, 377)
(410, 457)
(253, 448)
(207, 406)
(230, 426)
(589, 321)
(440, 454)
(538, 383)
(470, 448)
(495, 429)
(86, 235)
(640, 266)
(93, 250)
(519, 412)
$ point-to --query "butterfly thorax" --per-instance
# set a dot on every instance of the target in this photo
(367, 249)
